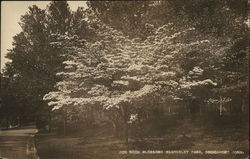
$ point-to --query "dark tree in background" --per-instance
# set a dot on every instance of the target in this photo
(59, 17)
(34, 63)
(221, 18)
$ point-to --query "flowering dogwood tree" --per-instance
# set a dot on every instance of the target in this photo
(120, 74)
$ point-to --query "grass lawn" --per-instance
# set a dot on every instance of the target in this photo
(100, 144)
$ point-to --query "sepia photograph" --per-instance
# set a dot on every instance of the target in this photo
(136, 79)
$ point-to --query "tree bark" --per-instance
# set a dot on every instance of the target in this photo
(242, 105)
(125, 112)
(126, 135)
(65, 123)
(49, 120)
(200, 110)
(115, 126)
(220, 105)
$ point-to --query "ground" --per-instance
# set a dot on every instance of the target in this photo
(99, 143)
(18, 143)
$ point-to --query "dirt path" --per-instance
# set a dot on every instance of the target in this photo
(18, 143)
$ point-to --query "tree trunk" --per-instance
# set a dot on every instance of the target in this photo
(8, 123)
(162, 107)
(126, 135)
(242, 105)
(220, 105)
(65, 123)
(92, 115)
(19, 121)
(200, 110)
(125, 115)
(49, 121)
(116, 130)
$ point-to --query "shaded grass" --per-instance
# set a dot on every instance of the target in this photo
(98, 143)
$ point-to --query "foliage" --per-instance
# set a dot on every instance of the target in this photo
(116, 72)
(33, 62)
(219, 18)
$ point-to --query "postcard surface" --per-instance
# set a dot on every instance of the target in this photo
(124, 79)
